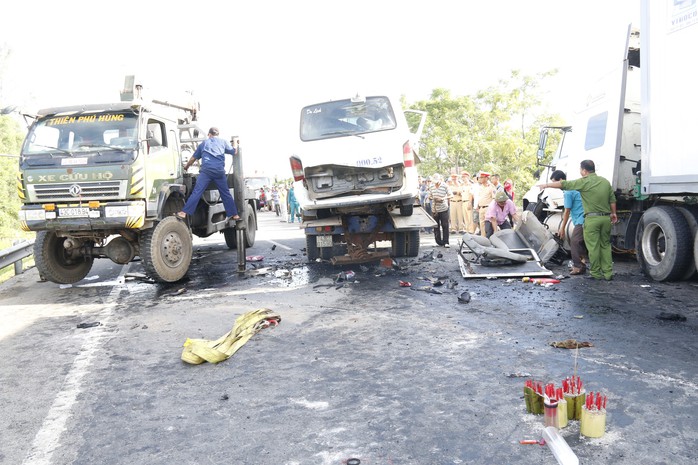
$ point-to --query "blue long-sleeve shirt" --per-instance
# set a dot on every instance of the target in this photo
(212, 152)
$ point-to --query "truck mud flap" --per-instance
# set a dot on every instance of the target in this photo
(417, 220)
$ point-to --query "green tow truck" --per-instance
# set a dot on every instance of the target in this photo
(105, 180)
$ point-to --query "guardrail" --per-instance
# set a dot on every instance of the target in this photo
(15, 255)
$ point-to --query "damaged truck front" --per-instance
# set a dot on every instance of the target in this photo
(356, 179)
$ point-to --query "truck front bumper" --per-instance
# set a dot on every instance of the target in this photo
(92, 216)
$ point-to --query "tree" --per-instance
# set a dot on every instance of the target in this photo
(496, 130)
(10, 143)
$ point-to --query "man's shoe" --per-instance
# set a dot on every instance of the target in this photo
(447, 246)
(181, 215)
(576, 271)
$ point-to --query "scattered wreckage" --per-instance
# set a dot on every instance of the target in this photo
(522, 251)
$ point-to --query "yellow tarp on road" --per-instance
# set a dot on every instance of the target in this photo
(197, 351)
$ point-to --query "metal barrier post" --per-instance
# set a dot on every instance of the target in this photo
(239, 194)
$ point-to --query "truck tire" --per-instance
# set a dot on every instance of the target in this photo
(695, 250)
(166, 250)
(691, 215)
(53, 263)
(412, 247)
(250, 234)
(251, 229)
(664, 244)
(399, 243)
(230, 238)
(311, 249)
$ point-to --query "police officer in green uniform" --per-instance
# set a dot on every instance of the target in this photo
(599, 204)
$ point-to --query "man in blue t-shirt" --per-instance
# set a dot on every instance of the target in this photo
(211, 152)
(575, 210)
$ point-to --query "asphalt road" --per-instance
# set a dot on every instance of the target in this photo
(367, 370)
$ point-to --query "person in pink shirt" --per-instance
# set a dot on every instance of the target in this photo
(500, 213)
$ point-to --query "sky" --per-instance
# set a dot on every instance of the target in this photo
(254, 64)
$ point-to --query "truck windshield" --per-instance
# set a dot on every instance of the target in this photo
(83, 135)
(346, 118)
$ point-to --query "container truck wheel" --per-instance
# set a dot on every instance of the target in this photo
(412, 247)
(691, 215)
(311, 249)
(695, 250)
(664, 243)
(55, 263)
(166, 250)
(399, 244)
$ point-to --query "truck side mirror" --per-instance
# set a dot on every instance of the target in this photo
(542, 143)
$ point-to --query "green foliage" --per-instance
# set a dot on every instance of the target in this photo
(495, 130)
(10, 143)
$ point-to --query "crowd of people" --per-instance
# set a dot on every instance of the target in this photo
(280, 199)
(485, 205)
(482, 205)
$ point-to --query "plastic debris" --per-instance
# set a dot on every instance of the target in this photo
(571, 344)
(671, 316)
(560, 449)
(260, 271)
(254, 258)
(533, 441)
(405, 284)
(464, 298)
(89, 325)
(428, 289)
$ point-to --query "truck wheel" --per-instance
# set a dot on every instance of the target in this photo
(251, 230)
(412, 247)
(54, 264)
(166, 250)
(399, 241)
(695, 250)
(691, 215)
(664, 244)
(406, 210)
(311, 249)
(230, 238)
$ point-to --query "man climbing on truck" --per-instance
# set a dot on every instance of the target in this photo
(211, 152)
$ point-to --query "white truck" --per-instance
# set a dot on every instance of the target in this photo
(637, 126)
(356, 179)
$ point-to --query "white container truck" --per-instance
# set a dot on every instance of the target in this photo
(637, 126)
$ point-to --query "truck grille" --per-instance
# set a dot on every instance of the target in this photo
(99, 190)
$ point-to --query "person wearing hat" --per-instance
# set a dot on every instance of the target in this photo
(440, 195)
(455, 210)
(211, 152)
(468, 196)
(485, 197)
(499, 214)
